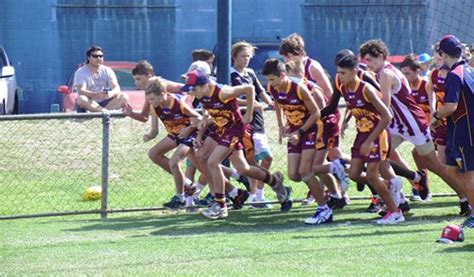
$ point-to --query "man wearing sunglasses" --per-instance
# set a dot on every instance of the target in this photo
(97, 84)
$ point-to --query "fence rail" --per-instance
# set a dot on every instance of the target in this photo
(48, 160)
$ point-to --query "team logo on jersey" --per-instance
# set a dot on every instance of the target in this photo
(281, 95)
(294, 101)
(166, 110)
(351, 95)
(359, 103)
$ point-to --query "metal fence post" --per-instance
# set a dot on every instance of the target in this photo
(105, 164)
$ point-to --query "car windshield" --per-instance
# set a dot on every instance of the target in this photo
(125, 78)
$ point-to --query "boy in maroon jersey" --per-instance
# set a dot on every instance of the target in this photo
(225, 139)
(180, 122)
(371, 144)
(409, 122)
(293, 100)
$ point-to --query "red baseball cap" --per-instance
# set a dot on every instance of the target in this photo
(451, 233)
(195, 78)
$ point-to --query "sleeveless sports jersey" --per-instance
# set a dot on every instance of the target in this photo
(408, 117)
(437, 82)
(225, 113)
(367, 117)
(173, 117)
(290, 101)
(419, 91)
(307, 72)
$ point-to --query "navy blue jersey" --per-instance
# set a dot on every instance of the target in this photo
(250, 78)
(459, 88)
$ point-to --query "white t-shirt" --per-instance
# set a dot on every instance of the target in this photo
(104, 78)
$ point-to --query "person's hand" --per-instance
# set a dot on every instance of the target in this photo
(344, 126)
(127, 109)
(365, 148)
(198, 142)
(185, 132)
(434, 123)
(147, 137)
(247, 118)
(294, 138)
(257, 106)
(283, 133)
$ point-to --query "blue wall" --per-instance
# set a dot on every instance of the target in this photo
(46, 39)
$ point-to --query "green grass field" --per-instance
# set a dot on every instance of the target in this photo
(46, 165)
(247, 243)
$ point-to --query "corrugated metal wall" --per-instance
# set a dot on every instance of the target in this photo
(46, 39)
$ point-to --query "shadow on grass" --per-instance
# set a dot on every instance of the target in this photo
(255, 221)
(455, 247)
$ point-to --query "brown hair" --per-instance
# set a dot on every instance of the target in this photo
(155, 86)
(201, 55)
(240, 46)
(375, 48)
(273, 67)
(411, 61)
(292, 44)
(143, 68)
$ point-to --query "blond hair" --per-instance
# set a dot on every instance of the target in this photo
(241, 45)
(155, 86)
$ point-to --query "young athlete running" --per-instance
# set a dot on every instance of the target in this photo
(225, 140)
(294, 101)
(371, 144)
(409, 122)
(180, 122)
(261, 154)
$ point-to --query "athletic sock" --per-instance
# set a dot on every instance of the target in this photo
(462, 200)
(336, 195)
(259, 194)
(180, 196)
(405, 172)
(372, 190)
(220, 199)
(233, 193)
(323, 207)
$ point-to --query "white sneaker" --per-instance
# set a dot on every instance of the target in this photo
(395, 189)
(320, 216)
(308, 200)
(391, 218)
(215, 211)
(341, 174)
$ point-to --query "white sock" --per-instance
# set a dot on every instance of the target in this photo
(251, 197)
(462, 200)
(233, 193)
(235, 174)
(259, 194)
(200, 186)
(189, 201)
(323, 207)
(180, 196)
(336, 195)
(417, 177)
(187, 182)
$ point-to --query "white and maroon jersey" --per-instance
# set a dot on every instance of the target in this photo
(408, 118)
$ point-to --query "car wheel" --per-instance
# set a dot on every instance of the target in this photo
(16, 104)
(2, 107)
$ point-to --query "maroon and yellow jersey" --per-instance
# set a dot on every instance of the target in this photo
(437, 83)
(172, 116)
(225, 113)
(419, 91)
(367, 117)
(291, 102)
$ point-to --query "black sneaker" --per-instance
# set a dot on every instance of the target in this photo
(360, 186)
(404, 207)
(336, 203)
(174, 204)
(206, 201)
(465, 208)
(288, 203)
(244, 181)
(421, 186)
(375, 205)
(469, 222)
(239, 200)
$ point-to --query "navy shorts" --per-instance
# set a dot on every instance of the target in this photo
(460, 156)
(188, 141)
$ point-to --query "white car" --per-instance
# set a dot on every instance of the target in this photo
(8, 87)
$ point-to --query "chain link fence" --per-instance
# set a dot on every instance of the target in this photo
(47, 161)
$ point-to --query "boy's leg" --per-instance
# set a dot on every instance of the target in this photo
(157, 153)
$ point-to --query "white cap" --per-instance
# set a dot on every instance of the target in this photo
(201, 65)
